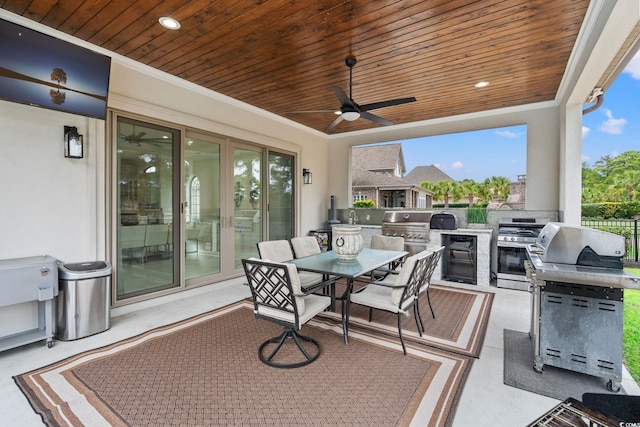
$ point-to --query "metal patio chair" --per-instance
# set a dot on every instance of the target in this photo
(431, 261)
(278, 297)
(396, 294)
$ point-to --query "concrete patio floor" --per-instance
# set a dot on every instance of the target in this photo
(486, 401)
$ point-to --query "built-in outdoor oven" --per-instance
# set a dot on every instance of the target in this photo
(514, 235)
(413, 226)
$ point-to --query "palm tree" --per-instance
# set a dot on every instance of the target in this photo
(500, 186)
(470, 189)
(448, 189)
(484, 194)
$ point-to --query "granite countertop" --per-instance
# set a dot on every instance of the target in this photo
(466, 231)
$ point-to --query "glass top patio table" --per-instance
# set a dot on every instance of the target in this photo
(328, 263)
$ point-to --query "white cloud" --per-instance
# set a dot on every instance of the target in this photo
(611, 125)
(506, 134)
(633, 67)
(457, 165)
(438, 165)
(585, 131)
(586, 158)
(615, 153)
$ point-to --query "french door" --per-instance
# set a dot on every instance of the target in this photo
(190, 206)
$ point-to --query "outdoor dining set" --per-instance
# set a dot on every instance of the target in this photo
(293, 281)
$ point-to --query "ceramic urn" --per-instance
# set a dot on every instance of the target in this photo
(347, 242)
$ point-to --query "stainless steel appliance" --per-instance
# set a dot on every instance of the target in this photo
(514, 235)
(25, 280)
(460, 258)
(576, 306)
(412, 225)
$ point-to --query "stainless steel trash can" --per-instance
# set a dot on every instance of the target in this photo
(84, 299)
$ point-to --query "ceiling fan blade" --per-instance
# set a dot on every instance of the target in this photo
(344, 99)
(389, 103)
(312, 111)
(374, 118)
(334, 123)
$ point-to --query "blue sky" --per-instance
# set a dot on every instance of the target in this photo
(608, 131)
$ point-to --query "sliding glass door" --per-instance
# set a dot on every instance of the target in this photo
(191, 205)
(201, 207)
(247, 217)
(146, 208)
(280, 196)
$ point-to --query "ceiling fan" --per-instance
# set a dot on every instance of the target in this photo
(351, 111)
(138, 138)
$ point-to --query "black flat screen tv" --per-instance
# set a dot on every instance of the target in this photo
(40, 70)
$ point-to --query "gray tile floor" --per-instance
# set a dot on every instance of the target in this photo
(486, 401)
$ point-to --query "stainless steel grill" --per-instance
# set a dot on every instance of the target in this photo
(576, 307)
(412, 225)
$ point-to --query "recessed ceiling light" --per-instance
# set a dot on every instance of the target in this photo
(169, 23)
(481, 84)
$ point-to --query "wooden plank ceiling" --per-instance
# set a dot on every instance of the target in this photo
(285, 55)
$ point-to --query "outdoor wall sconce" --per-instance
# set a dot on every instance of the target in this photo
(307, 176)
(72, 143)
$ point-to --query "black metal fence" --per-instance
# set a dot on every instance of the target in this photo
(624, 227)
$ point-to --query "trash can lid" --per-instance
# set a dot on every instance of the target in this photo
(84, 270)
(86, 266)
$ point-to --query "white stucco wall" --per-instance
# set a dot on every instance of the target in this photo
(49, 202)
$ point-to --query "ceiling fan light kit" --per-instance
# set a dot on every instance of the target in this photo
(350, 115)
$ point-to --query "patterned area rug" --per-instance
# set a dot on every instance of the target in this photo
(459, 326)
(206, 371)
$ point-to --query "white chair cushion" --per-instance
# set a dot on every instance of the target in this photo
(403, 278)
(314, 304)
(275, 250)
(308, 278)
(378, 297)
(305, 246)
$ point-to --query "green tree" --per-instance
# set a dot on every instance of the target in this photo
(500, 186)
(448, 189)
(471, 189)
(612, 179)
(484, 194)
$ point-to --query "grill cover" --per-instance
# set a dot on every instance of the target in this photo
(575, 245)
(444, 221)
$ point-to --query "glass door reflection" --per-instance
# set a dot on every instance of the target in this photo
(280, 196)
(248, 203)
(145, 207)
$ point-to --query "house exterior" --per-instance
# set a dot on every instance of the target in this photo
(430, 173)
(377, 175)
